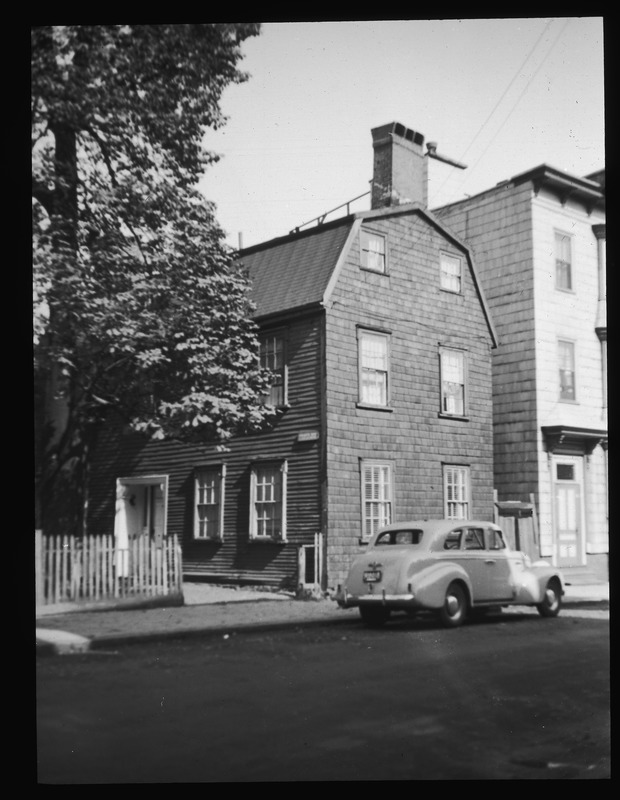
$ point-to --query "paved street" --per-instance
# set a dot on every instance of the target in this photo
(414, 701)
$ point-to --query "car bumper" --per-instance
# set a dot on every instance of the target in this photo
(346, 599)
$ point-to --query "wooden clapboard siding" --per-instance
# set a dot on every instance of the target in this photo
(410, 305)
(125, 454)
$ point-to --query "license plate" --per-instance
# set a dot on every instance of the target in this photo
(372, 576)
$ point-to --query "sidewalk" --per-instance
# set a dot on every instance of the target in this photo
(210, 610)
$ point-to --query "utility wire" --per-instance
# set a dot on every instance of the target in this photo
(518, 100)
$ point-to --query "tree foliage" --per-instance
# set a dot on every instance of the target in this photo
(140, 308)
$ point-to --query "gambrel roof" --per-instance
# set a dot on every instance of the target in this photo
(292, 272)
(297, 272)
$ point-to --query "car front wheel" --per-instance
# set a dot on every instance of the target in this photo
(374, 617)
(552, 600)
(454, 609)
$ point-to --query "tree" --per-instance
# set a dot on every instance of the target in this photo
(140, 308)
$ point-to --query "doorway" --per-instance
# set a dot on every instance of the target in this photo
(568, 506)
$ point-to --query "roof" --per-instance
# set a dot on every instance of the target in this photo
(293, 272)
(298, 272)
(589, 190)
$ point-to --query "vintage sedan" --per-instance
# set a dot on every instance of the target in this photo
(455, 568)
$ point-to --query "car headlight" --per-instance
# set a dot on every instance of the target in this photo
(527, 561)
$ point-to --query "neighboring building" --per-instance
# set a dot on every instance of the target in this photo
(539, 245)
(377, 329)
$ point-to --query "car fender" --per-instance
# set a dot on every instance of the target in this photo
(430, 583)
(533, 580)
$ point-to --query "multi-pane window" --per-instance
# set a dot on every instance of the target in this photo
(563, 267)
(373, 368)
(452, 368)
(268, 502)
(272, 357)
(376, 496)
(450, 267)
(209, 503)
(566, 358)
(456, 492)
(372, 250)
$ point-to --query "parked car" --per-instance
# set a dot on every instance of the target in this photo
(454, 568)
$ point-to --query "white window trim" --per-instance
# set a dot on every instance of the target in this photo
(571, 272)
(466, 469)
(366, 463)
(445, 349)
(574, 347)
(458, 258)
(361, 332)
(383, 237)
(254, 537)
(220, 469)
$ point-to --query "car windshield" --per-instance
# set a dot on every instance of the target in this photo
(406, 536)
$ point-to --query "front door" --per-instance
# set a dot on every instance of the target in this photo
(568, 523)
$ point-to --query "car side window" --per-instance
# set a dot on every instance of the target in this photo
(453, 540)
(495, 540)
(474, 539)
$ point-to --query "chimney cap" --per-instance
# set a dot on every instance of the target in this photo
(399, 130)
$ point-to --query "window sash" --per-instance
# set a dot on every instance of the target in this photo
(268, 502)
(452, 382)
(272, 357)
(377, 497)
(374, 368)
(450, 273)
(566, 360)
(563, 261)
(456, 488)
(209, 503)
(372, 246)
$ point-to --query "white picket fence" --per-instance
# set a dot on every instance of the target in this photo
(92, 569)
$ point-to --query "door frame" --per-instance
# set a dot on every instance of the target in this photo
(578, 461)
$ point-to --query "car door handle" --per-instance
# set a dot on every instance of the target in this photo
(489, 561)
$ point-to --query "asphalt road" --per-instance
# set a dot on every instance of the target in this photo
(509, 698)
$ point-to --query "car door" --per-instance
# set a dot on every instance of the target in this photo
(497, 566)
(472, 558)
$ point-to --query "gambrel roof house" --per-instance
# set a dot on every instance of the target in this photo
(377, 330)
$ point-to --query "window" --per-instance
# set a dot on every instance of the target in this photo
(376, 496)
(372, 250)
(272, 357)
(456, 492)
(563, 268)
(450, 272)
(209, 499)
(268, 502)
(474, 539)
(452, 367)
(373, 368)
(566, 357)
(495, 540)
(453, 540)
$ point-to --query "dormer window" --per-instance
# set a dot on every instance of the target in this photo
(373, 251)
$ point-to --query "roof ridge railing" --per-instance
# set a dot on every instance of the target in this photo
(321, 219)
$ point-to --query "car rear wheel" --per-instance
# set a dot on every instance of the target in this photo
(454, 609)
(552, 601)
(374, 617)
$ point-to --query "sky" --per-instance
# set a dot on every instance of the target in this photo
(499, 95)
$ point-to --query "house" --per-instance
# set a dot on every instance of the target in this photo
(539, 244)
(376, 327)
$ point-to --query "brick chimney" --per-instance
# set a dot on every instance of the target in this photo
(400, 168)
